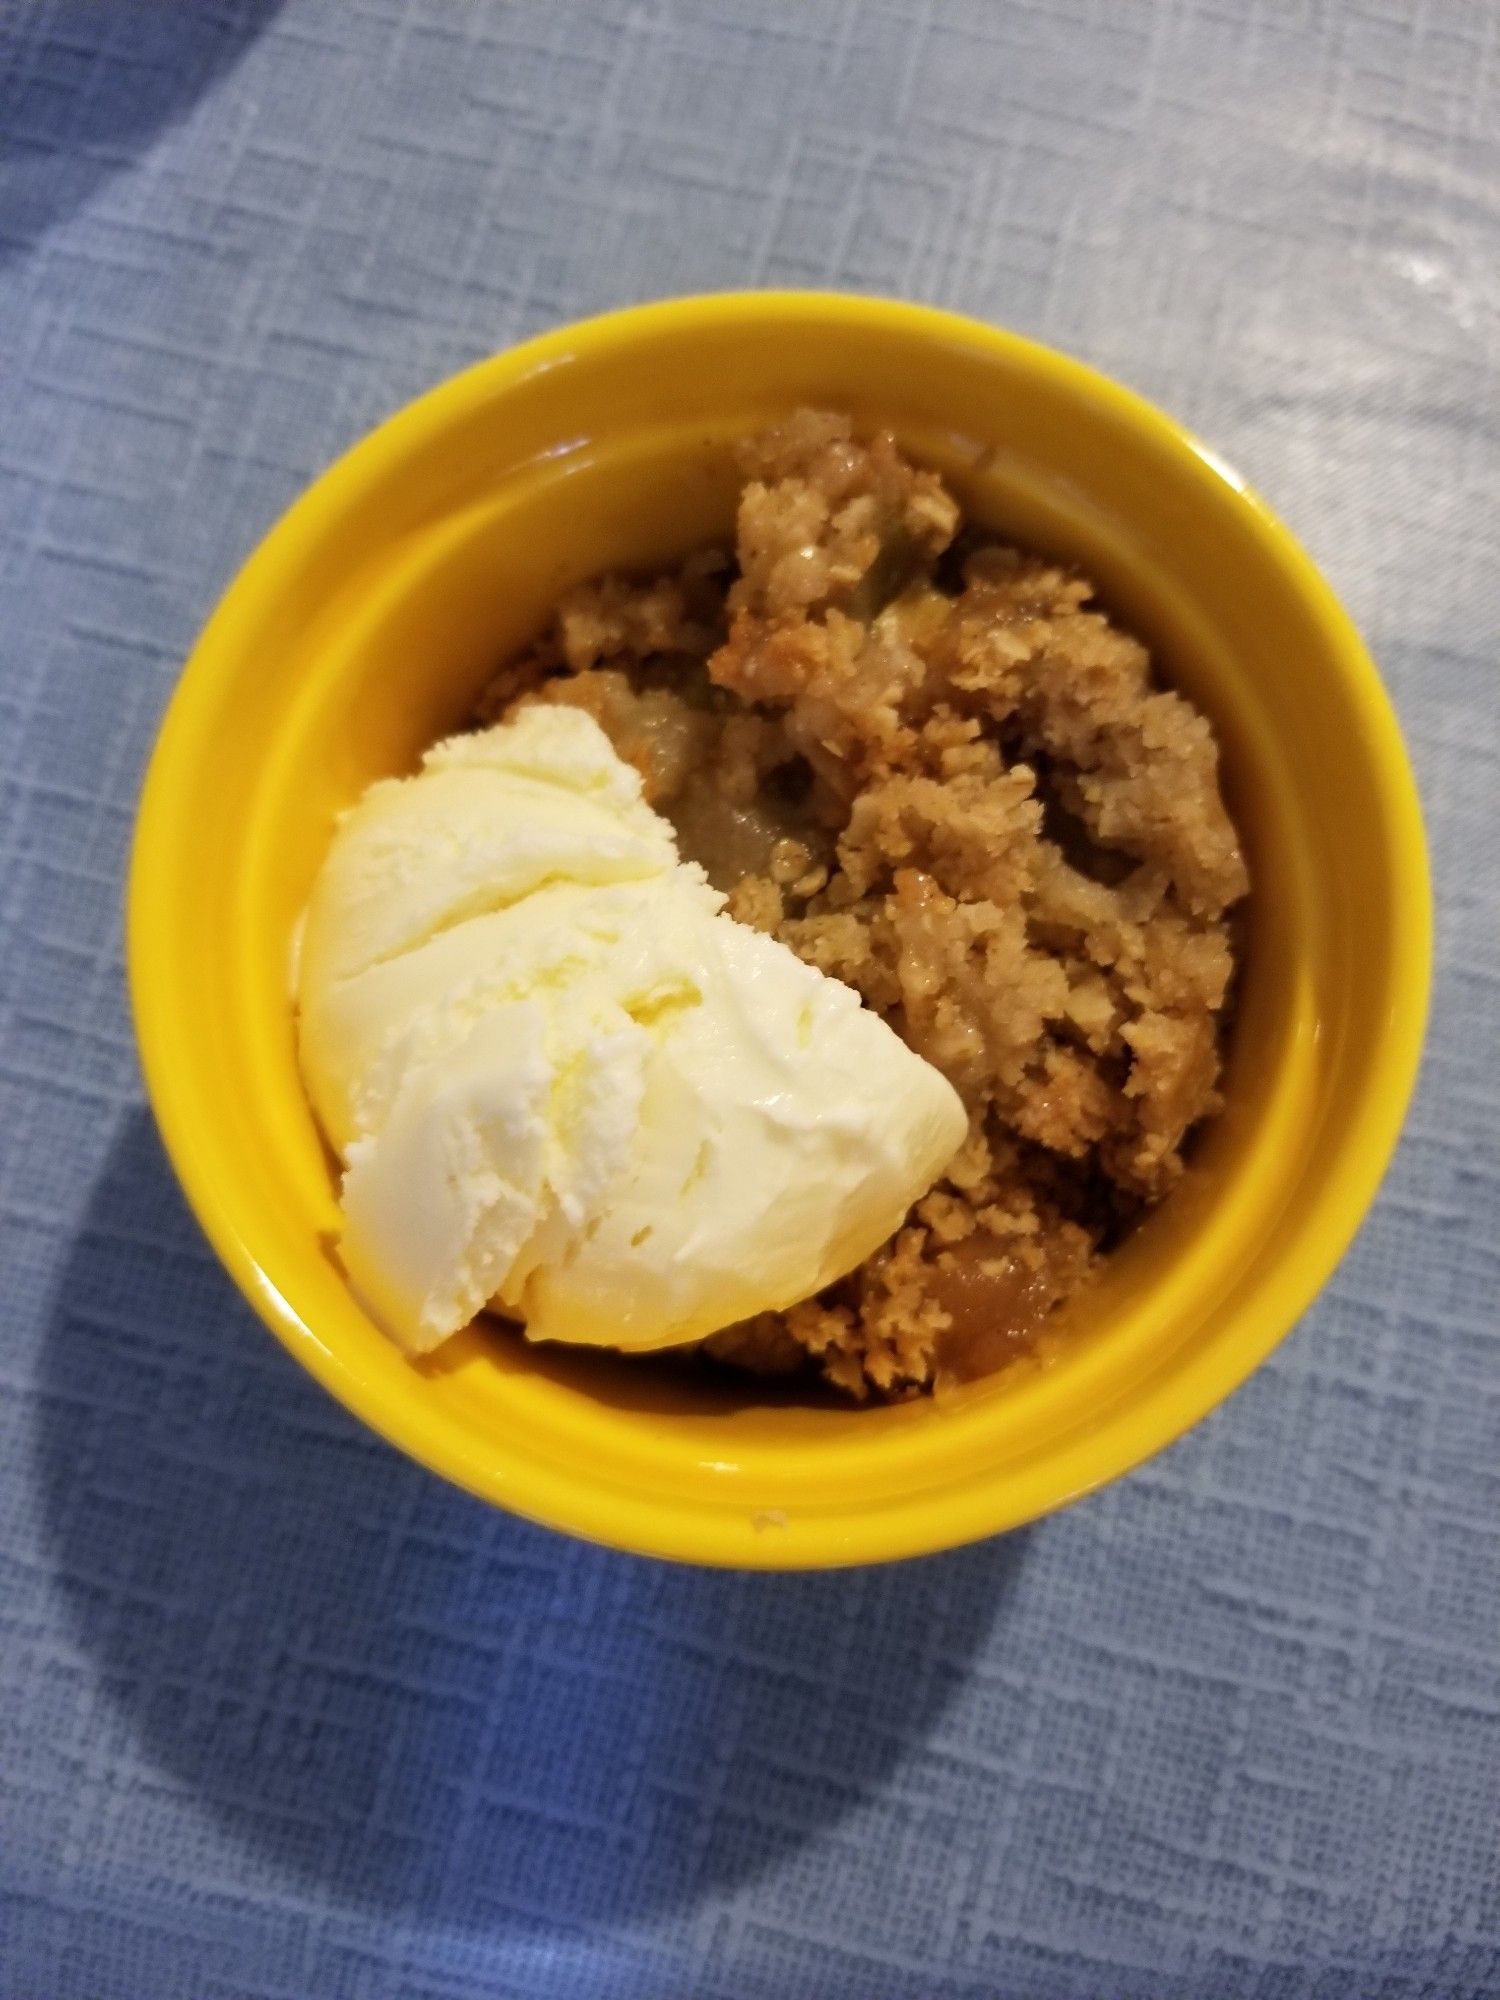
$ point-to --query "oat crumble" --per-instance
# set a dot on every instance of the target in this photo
(931, 765)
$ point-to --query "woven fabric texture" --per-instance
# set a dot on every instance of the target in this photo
(284, 1718)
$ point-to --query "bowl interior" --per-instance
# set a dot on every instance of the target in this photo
(365, 628)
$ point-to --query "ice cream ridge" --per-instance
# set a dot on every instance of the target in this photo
(564, 1084)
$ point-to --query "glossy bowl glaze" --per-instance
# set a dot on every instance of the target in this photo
(365, 625)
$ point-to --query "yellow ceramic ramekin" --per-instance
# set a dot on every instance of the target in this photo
(364, 626)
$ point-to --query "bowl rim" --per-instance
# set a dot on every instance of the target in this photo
(890, 1529)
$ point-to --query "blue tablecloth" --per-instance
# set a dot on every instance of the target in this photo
(283, 1718)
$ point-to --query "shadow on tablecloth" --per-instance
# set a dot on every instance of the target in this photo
(386, 1693)
(84, 87)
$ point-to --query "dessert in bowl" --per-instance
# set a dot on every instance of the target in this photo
(466, 540)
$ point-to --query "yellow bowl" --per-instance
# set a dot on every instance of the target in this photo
(365, 625)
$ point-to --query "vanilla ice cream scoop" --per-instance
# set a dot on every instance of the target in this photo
(564, 1083)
